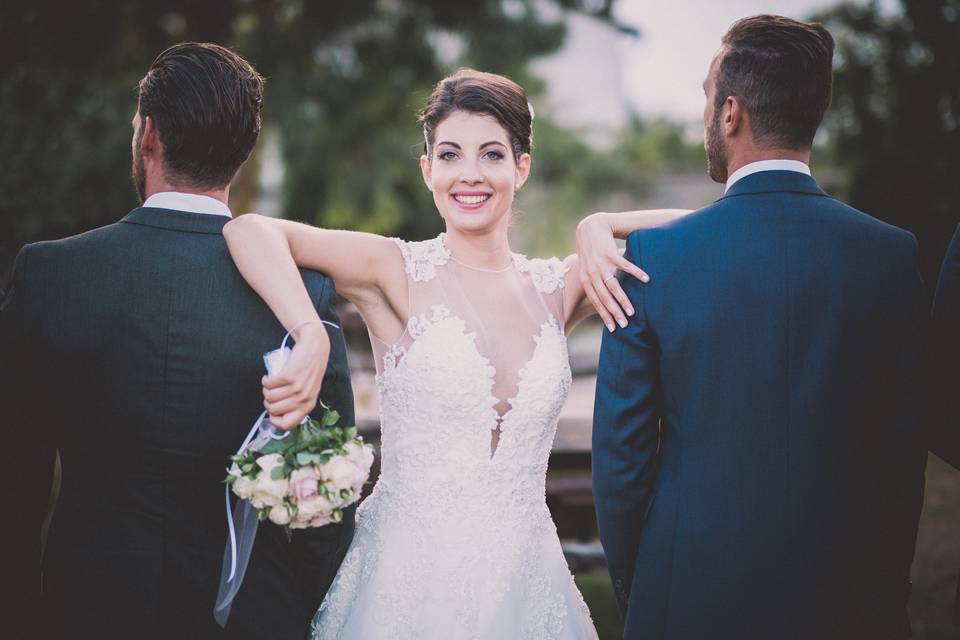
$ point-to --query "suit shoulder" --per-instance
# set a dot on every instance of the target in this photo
(93, 237)
(689, 223)
(883, 231)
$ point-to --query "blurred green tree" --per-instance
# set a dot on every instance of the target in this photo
(345, 80)
(895, 121)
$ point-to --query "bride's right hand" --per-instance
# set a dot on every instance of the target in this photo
(291, 394)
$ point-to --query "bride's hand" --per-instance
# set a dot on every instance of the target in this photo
(599, 259)
(291, 394)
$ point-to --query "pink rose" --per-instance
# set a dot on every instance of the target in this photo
(303, 483)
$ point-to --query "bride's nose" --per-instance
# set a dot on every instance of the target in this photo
(470, 172)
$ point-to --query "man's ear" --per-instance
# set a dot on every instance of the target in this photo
(732, 117)
(425, 170)
(149, 139)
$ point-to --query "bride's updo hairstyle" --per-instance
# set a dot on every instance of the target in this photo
(484, 93)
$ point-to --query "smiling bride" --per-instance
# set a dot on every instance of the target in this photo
(456, 540)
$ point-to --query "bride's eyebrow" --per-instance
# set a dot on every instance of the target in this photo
(496, 142)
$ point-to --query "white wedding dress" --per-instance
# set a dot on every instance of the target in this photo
(456, 541)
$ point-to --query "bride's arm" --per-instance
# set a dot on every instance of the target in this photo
(589, 286)
(267, 253)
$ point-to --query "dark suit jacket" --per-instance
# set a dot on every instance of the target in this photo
(945, 357)
(137, 351)
(756, 464)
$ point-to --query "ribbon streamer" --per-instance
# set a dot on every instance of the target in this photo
(243, 520)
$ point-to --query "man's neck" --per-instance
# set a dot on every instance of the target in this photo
(746, 157)
(160, 186)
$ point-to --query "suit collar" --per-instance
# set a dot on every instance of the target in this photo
(774, 181)
(177, 220)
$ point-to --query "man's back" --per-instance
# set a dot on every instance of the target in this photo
(147, 345)
(777, 343)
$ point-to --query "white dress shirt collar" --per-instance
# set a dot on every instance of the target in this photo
(766, 165)
(188, 202)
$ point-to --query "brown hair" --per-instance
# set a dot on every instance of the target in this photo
(205, 101)
(485, 93)
(781, 70)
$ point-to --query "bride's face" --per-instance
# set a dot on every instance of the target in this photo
(472, 172)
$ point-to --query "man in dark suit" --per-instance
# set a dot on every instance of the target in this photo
(136, 352)
(945, 352)
(944, 419)
(757, 464)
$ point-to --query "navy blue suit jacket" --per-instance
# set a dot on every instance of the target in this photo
(756, 458)
(136, 351)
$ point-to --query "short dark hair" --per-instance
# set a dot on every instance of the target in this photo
(205, 102)
(782, 72)
(486, 93)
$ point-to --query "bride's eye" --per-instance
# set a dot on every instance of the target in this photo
(447, 155)
(493, 155)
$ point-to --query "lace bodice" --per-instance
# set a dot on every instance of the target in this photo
(469, 398)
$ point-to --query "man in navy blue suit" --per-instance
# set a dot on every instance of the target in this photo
(758, 471)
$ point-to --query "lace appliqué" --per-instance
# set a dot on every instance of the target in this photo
(418, 325)
(429, 559)
(421, 259)
(547, 274)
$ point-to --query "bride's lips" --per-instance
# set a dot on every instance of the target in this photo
(470, 200)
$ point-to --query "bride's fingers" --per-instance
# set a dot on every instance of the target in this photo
(276, 394)
(592, 297)
(613, 286)
(282, 407)
(608, 301)
(287, 421)
(601, 310)
(625, 265)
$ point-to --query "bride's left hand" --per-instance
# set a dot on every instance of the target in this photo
(291, 394)
(599, 259)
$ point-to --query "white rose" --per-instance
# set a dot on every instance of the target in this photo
(341, 473)
(360, 455)
(313, 508)
(243, 487)
(280, 514)
(269, 461)
(267, 492)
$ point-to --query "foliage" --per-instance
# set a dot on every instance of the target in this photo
(344, 82)
(571, 179)
(895, 121)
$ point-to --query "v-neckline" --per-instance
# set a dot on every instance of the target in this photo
(537, 338)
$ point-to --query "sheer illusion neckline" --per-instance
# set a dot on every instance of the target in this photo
(514, 258)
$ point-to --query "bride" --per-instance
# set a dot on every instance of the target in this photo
(456, 540)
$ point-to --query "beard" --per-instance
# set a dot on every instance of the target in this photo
(137, 172)
(139, 177)
(716, 150)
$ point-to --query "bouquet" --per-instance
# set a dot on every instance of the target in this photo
(306, 478)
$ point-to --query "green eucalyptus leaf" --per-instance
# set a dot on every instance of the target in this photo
(304, 458)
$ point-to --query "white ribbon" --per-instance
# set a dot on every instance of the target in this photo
(274, 362)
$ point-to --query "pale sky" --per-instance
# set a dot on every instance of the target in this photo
(662, 71)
